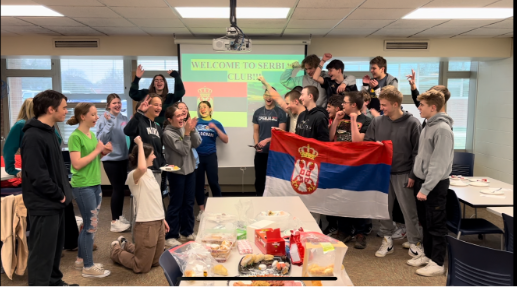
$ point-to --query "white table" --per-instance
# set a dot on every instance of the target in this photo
(292, 204)
(500, 210)
(5, 175)
(471, 196)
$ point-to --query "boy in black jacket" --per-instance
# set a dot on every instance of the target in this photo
(313, 122)
(45, 188)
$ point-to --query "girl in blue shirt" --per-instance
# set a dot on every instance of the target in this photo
(209, 130)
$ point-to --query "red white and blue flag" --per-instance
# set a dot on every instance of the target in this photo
(332, 178)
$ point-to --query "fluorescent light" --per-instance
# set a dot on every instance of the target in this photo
(241, 12)
(27, 10)
(460, 13)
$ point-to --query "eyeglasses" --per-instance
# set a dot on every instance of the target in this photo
(346, 102)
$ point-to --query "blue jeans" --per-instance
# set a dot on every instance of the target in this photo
(208, 164)
(89, 202)
(180, 213)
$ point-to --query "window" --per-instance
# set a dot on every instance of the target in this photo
(28, 64)
(159, 65)
(457, 108)
(80, 76)
(22, 88)
(413, 110)
(459, 66)
(146, 82)
(66, 130)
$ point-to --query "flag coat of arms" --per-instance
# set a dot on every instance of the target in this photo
(332, 178)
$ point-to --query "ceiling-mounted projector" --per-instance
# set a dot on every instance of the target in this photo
(234, 41)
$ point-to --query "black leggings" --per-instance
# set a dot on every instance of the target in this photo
(117, 174)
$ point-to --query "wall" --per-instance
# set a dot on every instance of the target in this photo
(493, 126)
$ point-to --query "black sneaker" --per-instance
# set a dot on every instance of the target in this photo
(63, 283)
(360, 241)
(343, 237)
(330, 231)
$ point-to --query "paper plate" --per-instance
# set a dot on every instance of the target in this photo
(456, 177)
(479, 179)
(479, 183)
(458, 183)
(169, 168)
(495, 191)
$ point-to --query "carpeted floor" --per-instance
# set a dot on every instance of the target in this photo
(362, 265)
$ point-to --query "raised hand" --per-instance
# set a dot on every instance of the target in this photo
(139, 71)
(366, 79)
(340, 115)
(107, 116)
(327, 56)
(296, 65)
(262, 79)
(144, 106)
(411, 79)
(374, 83)
(170, 71)
(138, 140)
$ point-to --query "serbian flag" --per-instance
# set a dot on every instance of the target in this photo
(332, 178)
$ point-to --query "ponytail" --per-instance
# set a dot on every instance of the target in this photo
(72, 121)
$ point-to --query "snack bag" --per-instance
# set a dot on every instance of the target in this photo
(194, 259)
(244, 247)
(321, 254)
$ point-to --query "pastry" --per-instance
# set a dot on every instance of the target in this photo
(269, 257)
(247, 260)
(316, 283)
(262, 267)
(220, 270)
(274, 264)
(258, 258)
(190, 273)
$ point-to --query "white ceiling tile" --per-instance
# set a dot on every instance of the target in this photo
(312, 24)
(508, 35)
(458, 3)
(75, 31)
(226, 3)
(29, 30)
(363, 24)
(329, 3)
(488, 32)
(506, 24)
(113, 31)
(52, 21)
(320, 14)
(466, 23)
(261, 23)
(379, 14)
(70, 2)
(12, 21)
(314, 32)
(105, 22)
(207, 23)
(18, 2)
(219, 31)
(472, 36)
(352, 32)
(158, 23)
(394, 4)
(431, 36)
(408, 24)
(166, 31)
(92, 12)
(131, 12)
(502, 4)
(444, 31)
(135, 3)
(397, 32)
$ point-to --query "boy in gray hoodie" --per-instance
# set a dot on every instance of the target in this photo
(404, 131)
(433, 165)
(179, 138)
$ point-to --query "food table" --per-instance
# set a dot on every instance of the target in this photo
(292, 205)
(471, 195)
(500, 210)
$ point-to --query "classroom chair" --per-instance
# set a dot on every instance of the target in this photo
(463, 164)
(170, 268)
(508, 231)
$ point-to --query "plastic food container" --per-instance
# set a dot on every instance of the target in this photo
(281, 218)
(219, 244)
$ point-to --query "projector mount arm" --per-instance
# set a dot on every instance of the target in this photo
(233, 16)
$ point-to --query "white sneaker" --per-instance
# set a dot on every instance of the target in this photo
(418, 261)
(80, 264)
(406, 245)
(95, 271)
(191, 237)
(198, 218)
(415, 250)
(400, 233)
(122, 241)
(172, 242)
(432, 269)
(119, 226)
(123, 220)
(386, 247)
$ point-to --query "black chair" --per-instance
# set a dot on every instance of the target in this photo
(508, 231)
(170, 268)
(474, 265)
(466, 226)
(463, 164)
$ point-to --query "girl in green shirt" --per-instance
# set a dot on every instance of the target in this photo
(85, 153)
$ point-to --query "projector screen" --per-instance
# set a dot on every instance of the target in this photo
(229, 82)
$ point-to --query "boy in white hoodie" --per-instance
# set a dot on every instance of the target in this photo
(433, 165)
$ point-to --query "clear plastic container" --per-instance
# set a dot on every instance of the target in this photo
(281, 218)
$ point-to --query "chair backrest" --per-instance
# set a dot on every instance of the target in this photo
(508, 231)
(453, 210)
(170, 268)
(474, 265)
(463, 164)
(67, 160)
